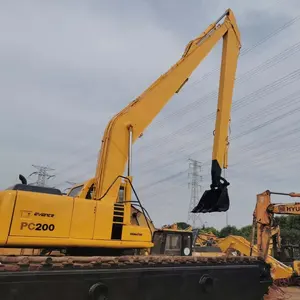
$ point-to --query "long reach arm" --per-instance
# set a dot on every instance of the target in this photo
(124, 128)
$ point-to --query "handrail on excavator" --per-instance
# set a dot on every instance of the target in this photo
(284, 194)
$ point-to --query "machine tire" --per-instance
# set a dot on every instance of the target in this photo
(98, 291)
(207, 283)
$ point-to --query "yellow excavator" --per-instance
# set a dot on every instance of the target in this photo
(95, 225)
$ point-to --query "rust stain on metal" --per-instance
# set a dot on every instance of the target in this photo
(275, 293)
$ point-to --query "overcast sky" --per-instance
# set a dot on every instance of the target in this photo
(66, 67)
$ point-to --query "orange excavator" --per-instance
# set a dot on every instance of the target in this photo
(263, 217)
(264, 225)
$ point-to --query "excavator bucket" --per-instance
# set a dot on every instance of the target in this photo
(213, 200)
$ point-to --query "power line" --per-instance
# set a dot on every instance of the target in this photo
(162, 180)
(237, 136)
(213, 95)
(267, 154)
(167, 190)
(242, 102)
(257, 44)
(293, 149)
(243, 52)
(277, 84)
(245, 161)
(242, 134)
(270, 62)
(71, 184)
(294, 96)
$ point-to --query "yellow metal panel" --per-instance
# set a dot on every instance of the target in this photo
(261, 214)
(104, 217)
(83, 218)
(138, 218)
(47, 241)
(19, 251)
(287, 208)
(7, 201)
(230, 54)
(296, 267)
(136, 233)
(42, 215)
(86, 186)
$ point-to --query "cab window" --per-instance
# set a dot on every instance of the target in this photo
(75, 191)
(173, 244)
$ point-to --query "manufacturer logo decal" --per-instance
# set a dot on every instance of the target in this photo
(136, 233)
(40, 214)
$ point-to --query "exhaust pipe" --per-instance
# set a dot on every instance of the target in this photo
(22, 179)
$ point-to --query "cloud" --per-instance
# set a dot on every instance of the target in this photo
(67, 67)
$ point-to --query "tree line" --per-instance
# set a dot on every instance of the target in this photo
(289, 229)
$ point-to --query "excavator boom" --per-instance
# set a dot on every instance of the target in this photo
(123, 130)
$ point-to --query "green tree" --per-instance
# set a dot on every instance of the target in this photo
(229, 230)
(246, 232)
(210, 229)
(182, 225)
(289, 229)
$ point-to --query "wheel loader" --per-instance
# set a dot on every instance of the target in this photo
(96, 229)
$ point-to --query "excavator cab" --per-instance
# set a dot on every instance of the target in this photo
(168, 242)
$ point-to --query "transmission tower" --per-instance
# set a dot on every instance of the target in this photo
(195, 186)
(42, 175)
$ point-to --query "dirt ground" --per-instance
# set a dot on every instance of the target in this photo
(292, 293)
